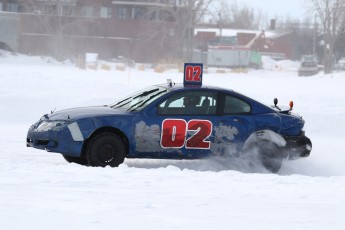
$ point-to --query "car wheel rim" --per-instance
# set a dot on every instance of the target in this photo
(106, 153)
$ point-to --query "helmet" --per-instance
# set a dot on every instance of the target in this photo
(191, 100)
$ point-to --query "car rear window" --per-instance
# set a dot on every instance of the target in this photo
(233, 105)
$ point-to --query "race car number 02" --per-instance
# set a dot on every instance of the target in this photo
(174, 134)
(193, 73)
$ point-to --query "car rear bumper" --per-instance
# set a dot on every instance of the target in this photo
(298, 146)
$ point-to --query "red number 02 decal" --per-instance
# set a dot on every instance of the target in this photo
(193, 73)
(174, 134)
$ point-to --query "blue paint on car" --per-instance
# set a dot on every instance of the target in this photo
(216, 121)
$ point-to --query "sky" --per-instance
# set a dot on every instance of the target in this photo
(40, 190)
(296, 9)
(275, 9)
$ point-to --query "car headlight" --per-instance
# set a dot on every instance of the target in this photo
(50, 125)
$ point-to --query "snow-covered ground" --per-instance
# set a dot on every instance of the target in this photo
(39, 190)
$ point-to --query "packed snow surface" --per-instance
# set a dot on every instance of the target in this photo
(40, 190)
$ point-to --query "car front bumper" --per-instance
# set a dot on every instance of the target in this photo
(60, 141)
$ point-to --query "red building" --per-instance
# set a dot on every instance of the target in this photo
(272, 43)
(140, 30)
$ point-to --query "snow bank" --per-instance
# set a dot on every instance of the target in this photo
(282, 65)
(39, 190)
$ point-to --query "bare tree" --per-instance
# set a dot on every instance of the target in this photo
(178, 34)
(331, 14)
(186, 20)
(302, 33)
(175, 22)
(58, 18)
(229, 14)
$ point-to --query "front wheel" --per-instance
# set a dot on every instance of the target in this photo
(106, 149)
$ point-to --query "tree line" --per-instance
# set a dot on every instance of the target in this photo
(321, 34)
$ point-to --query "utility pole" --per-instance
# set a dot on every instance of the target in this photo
(220, 27)
(314, 36)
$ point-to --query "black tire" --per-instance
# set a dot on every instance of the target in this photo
(105, 149)
(77, 160)
(270, 156)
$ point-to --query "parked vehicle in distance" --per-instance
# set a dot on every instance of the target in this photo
(309, 66)
(340, 65)
(173, 121)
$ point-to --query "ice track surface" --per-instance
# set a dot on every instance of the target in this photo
(39, 190)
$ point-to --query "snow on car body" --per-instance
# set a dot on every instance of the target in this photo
(172, 121)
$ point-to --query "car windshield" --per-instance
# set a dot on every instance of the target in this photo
(139, 100)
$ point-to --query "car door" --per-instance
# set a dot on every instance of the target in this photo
(234, 125)
(179, 126)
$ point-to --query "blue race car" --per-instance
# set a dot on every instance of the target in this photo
(173, 121)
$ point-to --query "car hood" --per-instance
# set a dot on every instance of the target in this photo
(85, 112)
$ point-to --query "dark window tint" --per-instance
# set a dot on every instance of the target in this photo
(12, 7)
(189, 103)
(122, 12)
(233, 105)
(137, 12)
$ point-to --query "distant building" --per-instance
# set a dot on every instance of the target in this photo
(143, 30)
(271, 43)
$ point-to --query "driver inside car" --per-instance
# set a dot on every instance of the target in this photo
(190, 103)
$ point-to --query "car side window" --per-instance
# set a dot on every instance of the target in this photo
(195, 102)
(233, 105)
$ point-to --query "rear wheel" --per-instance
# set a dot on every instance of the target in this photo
(77, 160)
(106, 149)
(270, 156)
